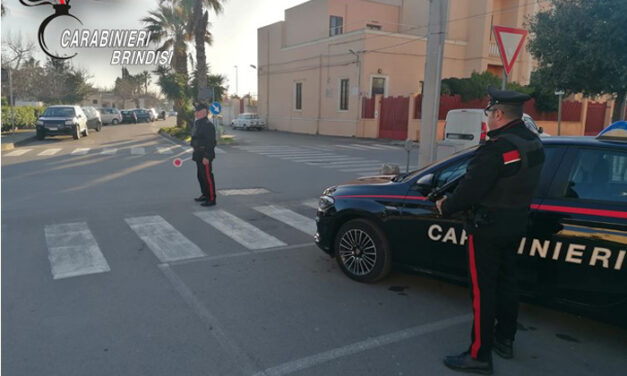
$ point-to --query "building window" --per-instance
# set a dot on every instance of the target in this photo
(373, 27)
(344, 94)
(336, 26)
(378, 86)
(298, 96)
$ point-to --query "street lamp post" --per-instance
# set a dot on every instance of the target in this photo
(236, 80)
(560, 94)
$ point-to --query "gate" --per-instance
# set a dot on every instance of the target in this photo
(595, 119)
(394, 117)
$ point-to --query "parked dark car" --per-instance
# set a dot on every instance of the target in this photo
(93, 118)
(62, 120)
(574, 254)
(143, 115)
(129, 116)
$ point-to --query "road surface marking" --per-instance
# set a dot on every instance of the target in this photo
(73, 251)
(50, 152)
(348, 147)
(390, 147)
(219, 151)
(80, 151)
(290, 218)
(18, 152)
(243, 192)
(366, 147)
(239, 230)
(365, 162)
(312, 203)
(109, 151)
(164, 240)
(360, 169)
(165, 149)
(138, 151)
(363, 346)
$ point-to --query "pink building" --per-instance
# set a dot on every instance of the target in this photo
(315, 66)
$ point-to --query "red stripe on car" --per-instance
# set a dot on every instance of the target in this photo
(585, 211)
(384, 196)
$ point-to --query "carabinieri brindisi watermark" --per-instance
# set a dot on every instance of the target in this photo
(123, 40)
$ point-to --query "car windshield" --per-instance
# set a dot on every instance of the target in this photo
(59, 112)
(413, 174)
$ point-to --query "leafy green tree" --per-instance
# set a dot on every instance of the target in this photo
(580, 46)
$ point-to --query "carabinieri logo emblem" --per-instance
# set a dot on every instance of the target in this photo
(61, 9)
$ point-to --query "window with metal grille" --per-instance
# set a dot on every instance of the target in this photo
(344, 94)
(298, 94)
(336, 25)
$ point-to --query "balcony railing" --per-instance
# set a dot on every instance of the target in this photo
(494, 49)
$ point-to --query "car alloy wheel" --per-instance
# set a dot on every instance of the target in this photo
(362, 251)
(114, 121)
(99, 127)
(76, 132)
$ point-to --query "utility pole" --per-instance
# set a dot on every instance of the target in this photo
(438, 19)
(236, 80)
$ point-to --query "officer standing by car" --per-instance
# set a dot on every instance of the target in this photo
(204, 142)
(496, 192)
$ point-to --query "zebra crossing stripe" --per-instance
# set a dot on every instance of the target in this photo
(348, 147)
(390, 147)
(239, 230)
(164, 240)
(50, 152)
(109, 151)
(17, 153)
(312, 203)
(80, 151)
(165, 150)
(73, 251)
(290, 218)
(138, 151)
(366, 147)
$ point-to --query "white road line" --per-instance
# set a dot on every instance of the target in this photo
(165, 150)
(80, 151)
(348, 147)
(312, 203)
(239, 230)
(138, 151)
(164, 240)
(109, 151)
(366, 146)
(326, 160)
(290, 218)
(353, 163)
(17, 153)
(390, 147)
(219, 151)
(362, 169)
(188, 150)
(363, 346)
(50, 152)
(243, 192)
(73, 251)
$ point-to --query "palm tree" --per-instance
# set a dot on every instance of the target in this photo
(169, 24)
(199, 12)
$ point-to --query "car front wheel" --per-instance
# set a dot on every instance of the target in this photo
(76, 132)
(362, 251)
(114, 121)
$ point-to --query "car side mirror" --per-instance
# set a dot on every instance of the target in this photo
(540, 130)
(424, 184)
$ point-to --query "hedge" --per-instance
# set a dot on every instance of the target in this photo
(24, 116)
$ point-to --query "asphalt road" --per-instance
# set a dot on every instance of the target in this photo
(110, 268)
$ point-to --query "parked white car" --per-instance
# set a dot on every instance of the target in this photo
(110, 116)
(469, 127)
(248, 121)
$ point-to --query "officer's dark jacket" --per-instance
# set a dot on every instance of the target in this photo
(203, 140)
(502, 174)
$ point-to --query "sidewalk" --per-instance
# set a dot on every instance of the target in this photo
(17, 138)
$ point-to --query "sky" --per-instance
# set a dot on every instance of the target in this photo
(234, 33)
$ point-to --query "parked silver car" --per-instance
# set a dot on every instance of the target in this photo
(110, 116)
(248, 121)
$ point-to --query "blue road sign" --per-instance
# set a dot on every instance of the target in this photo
(216, 108)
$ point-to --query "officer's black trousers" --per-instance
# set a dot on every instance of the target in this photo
(205, 178)
(491, 256)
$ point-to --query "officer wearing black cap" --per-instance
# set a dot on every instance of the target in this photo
(496, 192)
(204, 142)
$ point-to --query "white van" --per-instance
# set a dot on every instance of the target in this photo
(469, 127)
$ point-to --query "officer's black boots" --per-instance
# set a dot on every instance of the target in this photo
(503, 347)
(201, 198)
(208, 203)
(464, 362)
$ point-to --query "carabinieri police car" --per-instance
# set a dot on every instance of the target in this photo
(574, 254)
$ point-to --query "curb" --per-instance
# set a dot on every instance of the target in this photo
(13, 145)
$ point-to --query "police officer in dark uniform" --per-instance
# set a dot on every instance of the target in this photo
(496, 192)
(204, 142)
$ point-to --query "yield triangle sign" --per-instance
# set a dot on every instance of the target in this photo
(509, 41)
